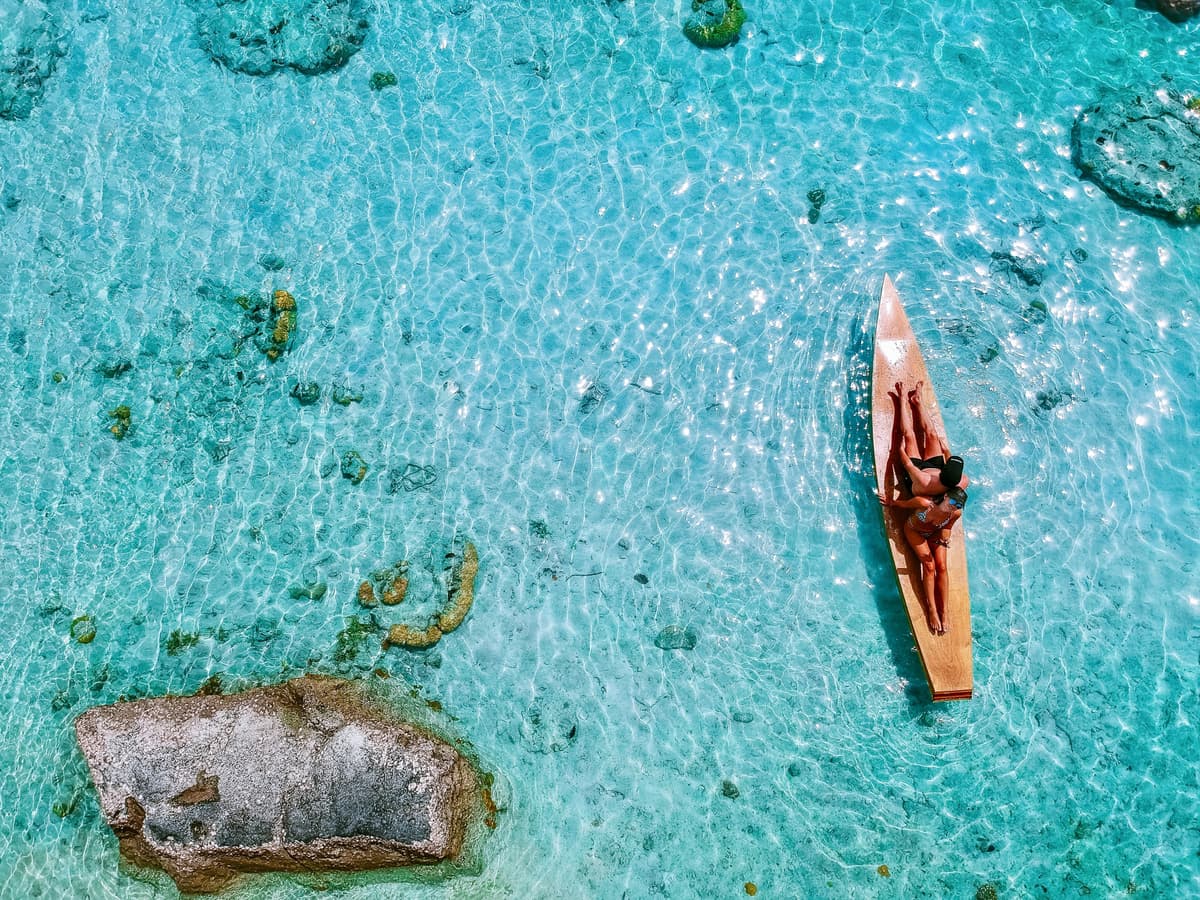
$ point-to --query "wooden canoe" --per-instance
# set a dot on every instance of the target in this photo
(946, 658)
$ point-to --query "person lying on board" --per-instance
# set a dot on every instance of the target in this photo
(928, 467)
(927, 531)
(936, 484)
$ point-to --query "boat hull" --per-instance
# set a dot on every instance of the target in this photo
(947, 659)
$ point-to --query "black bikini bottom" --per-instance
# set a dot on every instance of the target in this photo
(934, 462)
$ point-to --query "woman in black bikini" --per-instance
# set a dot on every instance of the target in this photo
(926, 466)
(927, 531)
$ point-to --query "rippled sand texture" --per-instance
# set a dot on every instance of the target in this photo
(567, 259)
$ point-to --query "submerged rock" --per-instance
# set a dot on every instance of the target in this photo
(306, 393)
(354, 467)
(31, 44)
(83, 629)
(1143, 149)
(549, 726)
(312, 591)
(122, 421)
(389, 583)
(302, 776)
(413, 477)
(1030, 271)
(676, 637)
(259, 37)
(462, 567)
(283, 325)
(113, 367)
(816, 199)
(344, 396)
(1178, 10)
(595, 394)
(381, 80)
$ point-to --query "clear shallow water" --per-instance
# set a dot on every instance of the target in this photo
(553, 197)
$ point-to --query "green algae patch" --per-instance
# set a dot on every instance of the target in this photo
(212, 686)
(714, 23)
(64, 808)
(179, 640)
(352, 639)
(122, 421)
(83, 629)
(381, 80)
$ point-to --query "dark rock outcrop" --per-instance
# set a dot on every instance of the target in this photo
(1178, 10)
(1143, 149)
(259, 37)
(31, 43)
(305, 775)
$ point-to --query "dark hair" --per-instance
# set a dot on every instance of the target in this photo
(951, 473)
(958, 495)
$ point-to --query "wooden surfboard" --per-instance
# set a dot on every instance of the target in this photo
(946, 658)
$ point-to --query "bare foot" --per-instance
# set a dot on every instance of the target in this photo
(897, 392)
(945, 629)
(914, 396)
(935, 625)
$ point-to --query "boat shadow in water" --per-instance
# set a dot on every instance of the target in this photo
(858, 470)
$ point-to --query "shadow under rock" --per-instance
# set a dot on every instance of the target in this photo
(858, 470)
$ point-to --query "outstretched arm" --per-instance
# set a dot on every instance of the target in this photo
(911, 503)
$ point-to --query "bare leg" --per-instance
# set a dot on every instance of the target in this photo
(920, 431)
(899, 447)
(943, 587)
(908, 441)
(931, 442)
(928, 579)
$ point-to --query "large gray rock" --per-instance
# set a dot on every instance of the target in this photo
(309, 774)
(1143, 148)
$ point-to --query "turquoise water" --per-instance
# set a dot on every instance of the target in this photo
(568, 262)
